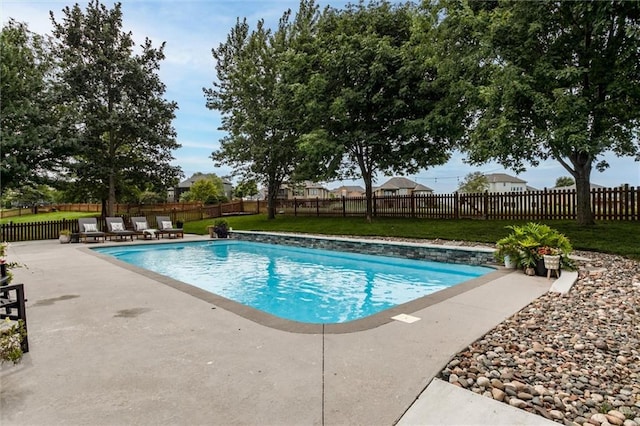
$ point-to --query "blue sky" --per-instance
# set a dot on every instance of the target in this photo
(192, 28)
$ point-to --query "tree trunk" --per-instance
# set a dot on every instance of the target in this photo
(111, 201)
(368, 190)
(583, 199)
(582, 163)
(272, 197)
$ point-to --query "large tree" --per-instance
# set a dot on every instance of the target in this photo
(373, 96)
(547, 80)
(474, 183)
(29, 117)
(254, 91)
(123, 124)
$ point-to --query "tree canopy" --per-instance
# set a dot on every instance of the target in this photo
(564, 181)
(122, 125)
(253, 92)
(29, 117)
(546, 79)
(474, 183)
(372, 97)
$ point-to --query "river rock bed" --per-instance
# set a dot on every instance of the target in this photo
(574, 358)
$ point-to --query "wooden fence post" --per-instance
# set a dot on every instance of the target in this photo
(456, 205)
(486, 204)
(413, 205)
(344, 206)
(317, 207)
(375, 206)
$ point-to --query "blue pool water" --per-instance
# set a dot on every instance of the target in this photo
(306, 285)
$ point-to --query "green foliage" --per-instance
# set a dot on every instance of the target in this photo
(256, 73)
(221, 228)
(526, 241)
(545, 79)
(564, 181)
(474, 183)
(121, 122)
(30, 195)
(371, 103)
(29, 114)
(204, 190)
(151, 197)
(246, 188)
(11, 336)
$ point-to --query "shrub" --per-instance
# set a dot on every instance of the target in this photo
(529, 242)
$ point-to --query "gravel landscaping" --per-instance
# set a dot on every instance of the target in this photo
(574, 359)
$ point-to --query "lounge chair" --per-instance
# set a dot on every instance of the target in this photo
(141, 228)
(116, 228)
(165, 227)
(88, 228)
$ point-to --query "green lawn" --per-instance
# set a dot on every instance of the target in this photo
(617, 237)
(45, 217)
(608, 237)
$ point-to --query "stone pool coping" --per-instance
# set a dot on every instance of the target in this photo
(278, 323)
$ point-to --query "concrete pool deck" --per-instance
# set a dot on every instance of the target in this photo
(111, 346)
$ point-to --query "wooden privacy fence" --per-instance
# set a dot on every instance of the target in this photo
(32, 231)
(606, 203)
(5, 213)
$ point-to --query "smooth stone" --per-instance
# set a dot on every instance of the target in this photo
(483, 382)
(497, 384)
(556, 415)
(518, 403)
(497, 394)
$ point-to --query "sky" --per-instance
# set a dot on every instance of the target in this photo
(192, 28)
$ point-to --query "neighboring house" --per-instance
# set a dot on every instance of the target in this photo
(502, 182)
(401, 186)
(289, 191)
(348, 191)
(316, 190)
(184, 186)
(573, 187)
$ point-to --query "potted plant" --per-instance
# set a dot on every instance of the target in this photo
(12, 333)
(550, 257)
(221, 228)
(65, 236)
(532, 242)
(508, 252)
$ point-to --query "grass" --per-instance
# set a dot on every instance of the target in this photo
(46, 217)
(617, 237)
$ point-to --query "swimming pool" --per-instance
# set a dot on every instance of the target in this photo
(305, 285)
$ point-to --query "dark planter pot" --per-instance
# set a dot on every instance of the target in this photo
(221, 233)
(541, 271)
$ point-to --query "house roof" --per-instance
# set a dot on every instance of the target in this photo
(421, 187)
(503, 177)
(348, 188)
(193, 179)
(314, 185)
(401, 183)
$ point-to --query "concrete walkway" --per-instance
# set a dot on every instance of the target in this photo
(112, 347)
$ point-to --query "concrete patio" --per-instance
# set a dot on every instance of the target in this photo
(111, 346)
